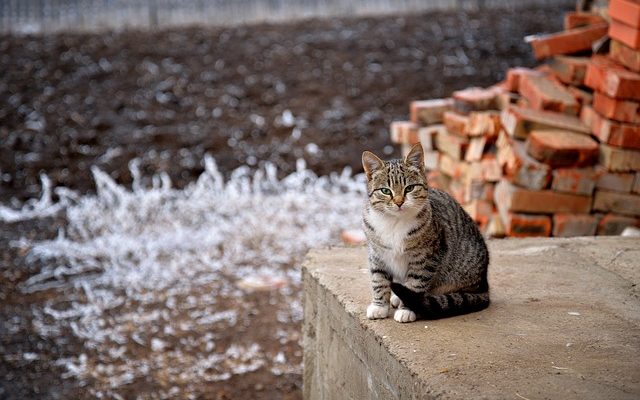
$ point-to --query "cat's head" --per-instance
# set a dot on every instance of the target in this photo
(396, 187)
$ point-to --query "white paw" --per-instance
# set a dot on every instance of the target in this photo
(375, 311)
(395, 301)
(404, 315)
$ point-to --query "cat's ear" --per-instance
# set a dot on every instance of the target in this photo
(415, 157)
(371, 162)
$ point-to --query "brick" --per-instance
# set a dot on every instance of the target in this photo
(516, 199)
(475, 149)
(619, 160)
(582, 96)
(560, 148)
(495, 227)
(612, 132)
(490, 167)
(480, 211)
(512, 80)
(543, 93)
(453, 145)
(570, 70)
(618, 109)
(353, 237)
(456, 123)
(625, 34)
(520, 167)
(478, 190)
(625, 11)
(612, 224)
(610, 78)
(438, 180)
(566, 42)
(625, 55)
(452, 168)
(574, 180)
(619, 203)
(617, 182)
(525, 225)
(431, 160)
(636, 184)
(518, 121)
(484, 123)
(427, 112)
(474, 99)
(569, 225)
(457, 190)
(427, 135)
(575, 19)
(404, 132)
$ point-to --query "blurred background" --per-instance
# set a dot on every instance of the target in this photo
(155, 210)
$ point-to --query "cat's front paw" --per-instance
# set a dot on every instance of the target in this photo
(404, 315)
(375, 311)
(395, 301)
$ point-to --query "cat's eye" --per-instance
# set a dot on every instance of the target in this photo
(409, 188)
(386, 191)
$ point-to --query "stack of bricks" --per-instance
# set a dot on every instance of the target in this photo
(550, 151)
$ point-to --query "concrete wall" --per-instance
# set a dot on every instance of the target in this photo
(564, 323)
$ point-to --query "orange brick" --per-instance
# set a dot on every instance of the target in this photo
(516, 199)
(612, 224)
(427, 135)
(543, 93)
(520, 167)
(512, 80)
(617, 182)
(484, 123)
(495, 227)
(491, 169)
(566, 42)
(478, 190)
(619, 160)
(612, 132)
(480, 211)
(475, 99)
(582, 96)
(570, 70)
(426, 112)
(625, 34)
(560, 148)
(404, 132)
(456, 123)
(625, 55)
(620, 110)
(452, 168)
(568, 225)
(626, 11)
(574, 180)
(612, 79)
(431, 160)
(619, 203)
(518, 121)
(475, 149)
(438, 180)
(636, 184)
(457, 190)
(453, 145)
(575, 19)
(525, 225)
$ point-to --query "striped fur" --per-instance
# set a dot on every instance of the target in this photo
(422, 245)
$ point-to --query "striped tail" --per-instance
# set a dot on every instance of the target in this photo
(434, 306)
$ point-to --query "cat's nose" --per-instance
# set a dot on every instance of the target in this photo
(399, 201)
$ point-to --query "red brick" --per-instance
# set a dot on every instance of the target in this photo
(516, 199)
(543, 93)
(431, 160)
(426, 112)
(625, 55)
(456, 123)
(427, 135)
(475, 149)
(518, 122)
(612, 224)
(520, 167)
(574, 180)
(612, 132)
(625, 34)
(626, 11)
(438, 180)
(582, 96)
(570, 70)
(453, 168)
(484, 123)
(575, 19)
(478, 190)
(619, 160)
(617, 182)
(475, 99)
(491, 169)
(480, 211)
(512, 80)
(566, 42)
(495, 227)
(457, 190)
(620, 110)
(610, 78)
(404, 132)
(453, 145)
(636, 184)
(568, 225)
(525, 225)
(619, 203)
(560, 148)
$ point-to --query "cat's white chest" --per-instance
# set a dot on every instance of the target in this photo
(392, 233)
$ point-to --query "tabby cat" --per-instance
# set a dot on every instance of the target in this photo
(422, 245)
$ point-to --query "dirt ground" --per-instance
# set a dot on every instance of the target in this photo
(319, 90)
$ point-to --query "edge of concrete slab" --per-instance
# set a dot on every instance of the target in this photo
(564, 323)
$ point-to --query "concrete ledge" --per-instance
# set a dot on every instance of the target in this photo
(564, 324)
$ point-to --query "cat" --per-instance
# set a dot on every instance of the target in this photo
(422, 245)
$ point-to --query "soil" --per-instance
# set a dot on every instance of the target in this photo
(322, 90)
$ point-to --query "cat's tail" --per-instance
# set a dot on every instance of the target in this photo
(433, 306)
